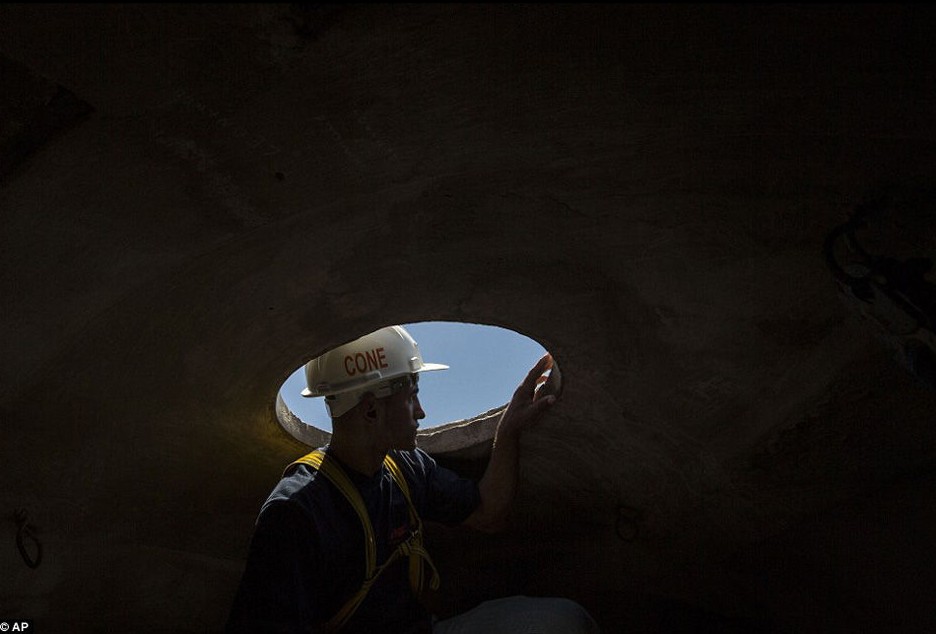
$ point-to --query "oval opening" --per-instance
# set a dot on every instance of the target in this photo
(486, 363)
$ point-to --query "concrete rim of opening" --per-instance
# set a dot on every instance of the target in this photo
(458, 435)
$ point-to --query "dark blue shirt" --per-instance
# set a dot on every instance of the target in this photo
(306, 558)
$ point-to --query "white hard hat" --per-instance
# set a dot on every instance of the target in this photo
(345, 373)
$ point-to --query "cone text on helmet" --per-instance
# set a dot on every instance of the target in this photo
(365, 361)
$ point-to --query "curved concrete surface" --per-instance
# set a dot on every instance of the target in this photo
(197, 199)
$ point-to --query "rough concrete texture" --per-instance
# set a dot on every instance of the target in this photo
(231, 190)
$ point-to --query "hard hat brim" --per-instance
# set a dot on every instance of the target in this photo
(428, 367)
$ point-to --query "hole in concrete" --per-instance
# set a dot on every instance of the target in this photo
(486, 365)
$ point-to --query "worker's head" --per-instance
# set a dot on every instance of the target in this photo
(382, 365)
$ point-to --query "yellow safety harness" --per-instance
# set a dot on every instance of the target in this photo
(412, 547)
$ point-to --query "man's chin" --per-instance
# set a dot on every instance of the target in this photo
(406, 446)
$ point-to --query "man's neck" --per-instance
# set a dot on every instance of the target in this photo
(360, 456)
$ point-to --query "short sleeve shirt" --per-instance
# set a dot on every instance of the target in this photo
(307, 555)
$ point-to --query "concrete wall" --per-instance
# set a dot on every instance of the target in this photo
(228, 191)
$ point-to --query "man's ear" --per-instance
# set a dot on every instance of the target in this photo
(370, 406)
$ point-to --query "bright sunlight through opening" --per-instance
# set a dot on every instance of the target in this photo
(486, 363)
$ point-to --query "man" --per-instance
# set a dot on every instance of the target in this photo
(338, 544)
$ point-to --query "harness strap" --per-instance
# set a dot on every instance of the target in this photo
(412, 547)
(417, 553)
(333, 471)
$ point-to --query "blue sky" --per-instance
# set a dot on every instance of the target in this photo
(486, 365)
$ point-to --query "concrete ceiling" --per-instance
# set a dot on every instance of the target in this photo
(198, 198)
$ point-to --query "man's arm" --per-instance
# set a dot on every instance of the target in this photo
(499, 483)
(274, 594)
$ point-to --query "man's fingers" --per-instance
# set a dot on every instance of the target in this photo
(529, 403)
(540, 404)
(535, 373)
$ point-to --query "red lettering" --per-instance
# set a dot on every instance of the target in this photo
(362, 362)
(372, 360)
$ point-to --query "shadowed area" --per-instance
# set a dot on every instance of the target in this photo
(196, 199)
